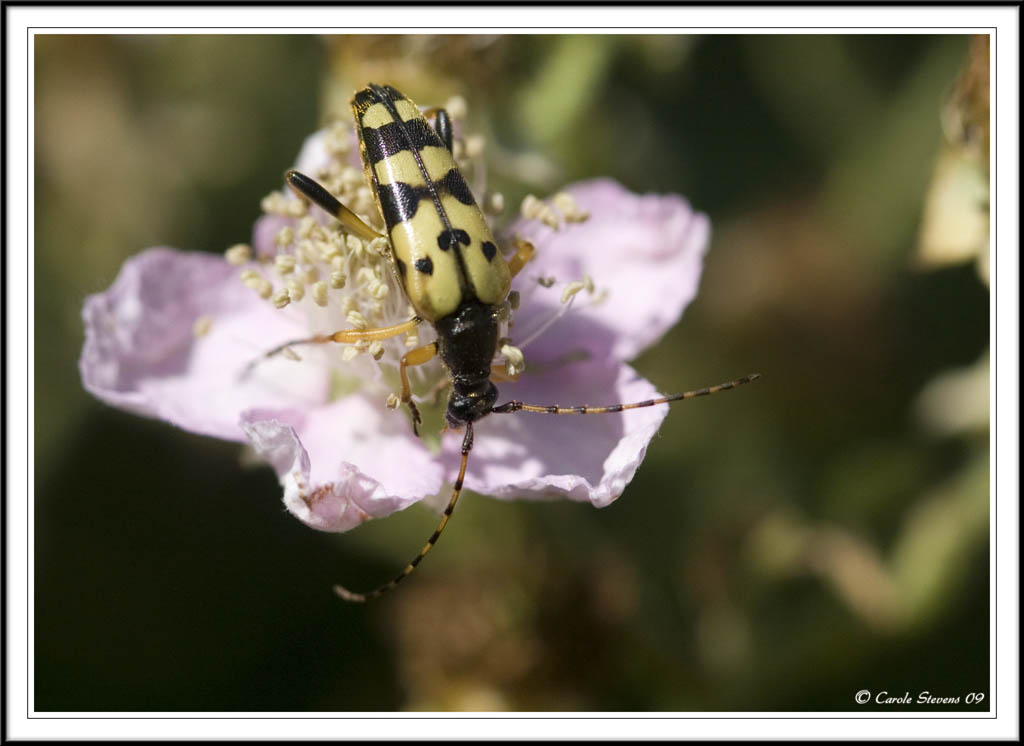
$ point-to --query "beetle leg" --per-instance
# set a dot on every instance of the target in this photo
(442, 125)
(419, 356)
(524, 253)
(345, 336)
(315, 193)
(500, 375)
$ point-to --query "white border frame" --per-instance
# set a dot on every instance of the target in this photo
(1005, 384)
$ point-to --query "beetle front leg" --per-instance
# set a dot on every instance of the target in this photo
(419, 356)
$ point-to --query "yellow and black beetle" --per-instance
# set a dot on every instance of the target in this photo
(449, 265)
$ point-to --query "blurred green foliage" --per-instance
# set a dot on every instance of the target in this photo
(781, 548)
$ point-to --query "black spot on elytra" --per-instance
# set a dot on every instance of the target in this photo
(489, 250)
(455, 185)
(451, 239)
(398, 202)
(425, 265)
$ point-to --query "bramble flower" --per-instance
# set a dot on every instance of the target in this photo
(183, 337)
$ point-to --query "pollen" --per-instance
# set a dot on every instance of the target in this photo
(514, 299)
(238, 254)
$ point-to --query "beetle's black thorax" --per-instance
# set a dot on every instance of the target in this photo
(466, 340)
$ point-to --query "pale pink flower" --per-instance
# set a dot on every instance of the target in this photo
(173, 335)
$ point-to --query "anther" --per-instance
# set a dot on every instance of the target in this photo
(291, 354)
(280, 298)
(514, 356)
(571, 289)
(356, 319)
(318, 291)
(376, 349)
(284, 236)
(240, 253)
(296, 290)
(284, 264)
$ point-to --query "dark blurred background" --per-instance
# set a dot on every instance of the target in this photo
(782, 547)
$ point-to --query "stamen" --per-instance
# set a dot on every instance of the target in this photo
(393, 401)
(284, 264)
(285, 236)
(291, 354)
(514, 356)
(338, 279)
(376, 349)
(356, 319)
(318, 292)
(238, 254)
(338, 141)
(562, 310)
(533, 209)
(571, 289)
(280, 298)
(307, 227)
(296, 290)
(567, 204)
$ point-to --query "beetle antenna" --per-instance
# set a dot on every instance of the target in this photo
(518, 406)
(467, 446)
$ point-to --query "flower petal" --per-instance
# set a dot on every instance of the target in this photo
(344, 463)
(147, 349)
(579, 457)
(646, 251)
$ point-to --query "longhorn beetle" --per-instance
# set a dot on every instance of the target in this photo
(449, 266)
